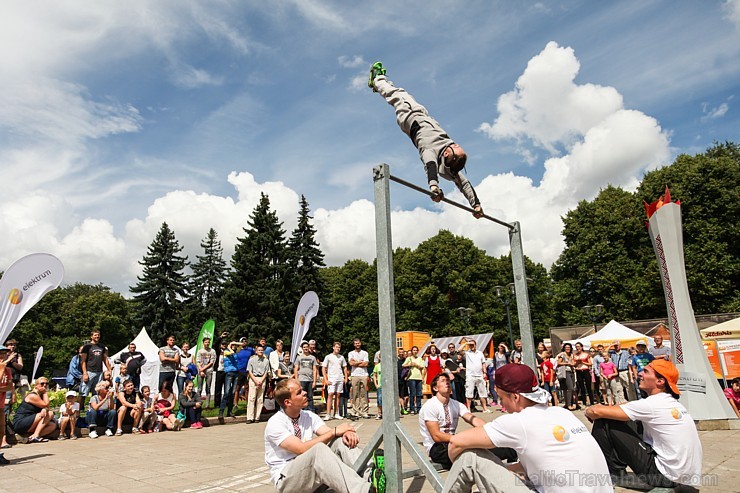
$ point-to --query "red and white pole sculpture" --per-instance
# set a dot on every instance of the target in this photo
(700, 392)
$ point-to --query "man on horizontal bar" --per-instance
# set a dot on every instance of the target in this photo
(440, 154)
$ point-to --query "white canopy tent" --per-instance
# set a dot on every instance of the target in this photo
(725, 330)
(150, 370)
(614, 331)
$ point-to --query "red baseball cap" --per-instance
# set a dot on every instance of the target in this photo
(517, 379)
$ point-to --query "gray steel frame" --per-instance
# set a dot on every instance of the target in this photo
(391, 433)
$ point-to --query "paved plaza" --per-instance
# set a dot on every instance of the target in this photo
(230, 458)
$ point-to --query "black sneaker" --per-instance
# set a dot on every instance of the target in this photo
(3, 460)
(376, 70)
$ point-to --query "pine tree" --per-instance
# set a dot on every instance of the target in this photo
(162, 286)
(207, 282)
(305, 258)
(255, 294)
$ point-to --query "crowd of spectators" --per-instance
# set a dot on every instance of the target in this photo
(112, 403)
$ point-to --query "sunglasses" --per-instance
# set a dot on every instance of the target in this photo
(43, 383)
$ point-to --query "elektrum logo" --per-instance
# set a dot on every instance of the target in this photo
(15, 296)
(560, 434)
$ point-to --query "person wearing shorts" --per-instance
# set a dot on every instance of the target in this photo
(475, 364)
(335, 376)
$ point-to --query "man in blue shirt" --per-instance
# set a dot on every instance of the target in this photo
(242, 359)
(231, 374)
(637, 363)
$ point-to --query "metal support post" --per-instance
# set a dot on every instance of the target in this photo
(522, 295)
(387, 317)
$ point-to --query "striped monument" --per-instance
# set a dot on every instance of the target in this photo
(700, 392)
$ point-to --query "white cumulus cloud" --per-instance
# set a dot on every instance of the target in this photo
(732, 11)
(547, 107)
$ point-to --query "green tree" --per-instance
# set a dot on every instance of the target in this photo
(206, 283)
(350, 306)
(707, 185)
(63, 319)
(606, 255)
(305, 258)
(162, 286)
(256, 290)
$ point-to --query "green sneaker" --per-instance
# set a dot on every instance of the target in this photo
(376, 70)
(377, 473)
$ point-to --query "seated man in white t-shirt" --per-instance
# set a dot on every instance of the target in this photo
(438, 420)
(555, 449)
(669, 452)
(303, 453)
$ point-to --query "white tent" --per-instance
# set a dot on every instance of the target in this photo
(725, 330)
(150, 370)
(614, 331)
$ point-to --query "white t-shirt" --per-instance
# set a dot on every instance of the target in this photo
(555, 448)
(63, 408)
(334, 364)
(279, 427)
(669, 429)
(358, 371)
(433, 410)
(474, 361)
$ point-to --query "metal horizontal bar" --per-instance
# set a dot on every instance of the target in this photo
(413, 472)
(448, 201)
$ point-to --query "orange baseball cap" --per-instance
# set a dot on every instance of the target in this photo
(669, 371)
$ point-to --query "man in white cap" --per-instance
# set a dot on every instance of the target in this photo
(556, 452)
(668, 453)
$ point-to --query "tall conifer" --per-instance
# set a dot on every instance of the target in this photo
(255, 297)
(162, 286)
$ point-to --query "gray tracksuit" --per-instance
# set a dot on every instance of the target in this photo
(427, 135)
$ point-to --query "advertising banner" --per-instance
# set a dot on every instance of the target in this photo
(308, 308)
(23, 284)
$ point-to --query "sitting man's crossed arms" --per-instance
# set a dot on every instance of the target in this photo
(303, 453)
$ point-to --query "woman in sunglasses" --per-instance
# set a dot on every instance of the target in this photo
(33, 417)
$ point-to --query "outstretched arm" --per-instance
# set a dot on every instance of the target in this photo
(464, 185)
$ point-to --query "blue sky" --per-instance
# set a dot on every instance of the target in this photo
(118, 116)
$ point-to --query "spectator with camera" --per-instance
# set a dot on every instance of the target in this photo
(101, 411)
